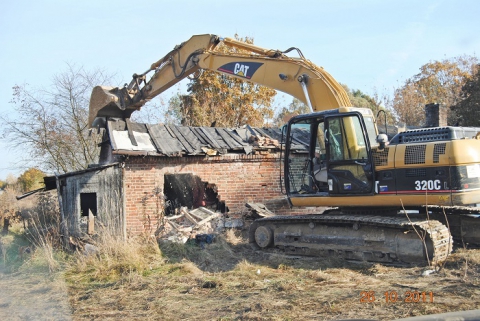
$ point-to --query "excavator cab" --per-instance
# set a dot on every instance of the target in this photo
(328, 154)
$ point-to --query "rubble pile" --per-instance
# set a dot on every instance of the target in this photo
(263, 141)
(190, 223)
(202, 224)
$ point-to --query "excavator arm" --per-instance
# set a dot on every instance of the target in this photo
(296, 76)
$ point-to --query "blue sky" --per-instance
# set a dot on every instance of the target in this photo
(371, 45)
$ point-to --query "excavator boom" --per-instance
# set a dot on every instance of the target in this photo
(296, 76)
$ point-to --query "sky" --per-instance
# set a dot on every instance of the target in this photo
(370, 45)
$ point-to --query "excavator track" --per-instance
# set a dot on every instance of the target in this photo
(385, 239)
(463, 222)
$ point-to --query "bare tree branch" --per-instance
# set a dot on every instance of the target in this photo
(51, 124)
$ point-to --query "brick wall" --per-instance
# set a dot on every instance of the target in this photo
(435, 115)
(239, 178)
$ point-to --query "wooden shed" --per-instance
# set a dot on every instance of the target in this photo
(90, 199)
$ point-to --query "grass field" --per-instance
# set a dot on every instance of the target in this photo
(228, 280)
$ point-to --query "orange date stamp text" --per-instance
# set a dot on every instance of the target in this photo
(394, 296)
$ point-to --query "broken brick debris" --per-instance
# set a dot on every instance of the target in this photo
(188, 224)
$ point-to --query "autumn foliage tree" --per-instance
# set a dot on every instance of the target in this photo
(226, 101)
(31, 179)
(438, 82)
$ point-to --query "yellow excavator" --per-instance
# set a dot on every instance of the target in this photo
(397, 201)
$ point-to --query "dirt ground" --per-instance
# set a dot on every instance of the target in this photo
(28, 291)
(228, 280)
(33, 296)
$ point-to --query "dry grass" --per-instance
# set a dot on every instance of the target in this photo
(111, 258)
(227, 280)
(233, 237)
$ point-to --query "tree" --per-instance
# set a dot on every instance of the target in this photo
(174, 115)
(8, 203)
(8, 207)
(51, 124)
(31, 179)
(438, 82)
(296, 107)
(360, 99)
(357, 98)
(151, 113)
(226, 101)
(408, 105)
(468, 109)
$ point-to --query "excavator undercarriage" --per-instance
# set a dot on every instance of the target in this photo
(391, 239)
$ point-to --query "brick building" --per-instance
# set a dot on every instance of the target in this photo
(146, 170)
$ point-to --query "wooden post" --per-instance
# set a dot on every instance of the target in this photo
(91, 223)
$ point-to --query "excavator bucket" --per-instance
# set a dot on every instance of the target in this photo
(104, 102)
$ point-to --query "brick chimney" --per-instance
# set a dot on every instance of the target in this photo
(435, 115)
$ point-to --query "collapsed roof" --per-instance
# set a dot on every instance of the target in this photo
(128, 138)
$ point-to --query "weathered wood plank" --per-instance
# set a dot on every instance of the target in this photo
(189, 148)
(260, 209)
(191, 138)
(130, 132)
(232, 144)
(212, 141)
(163, 140)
